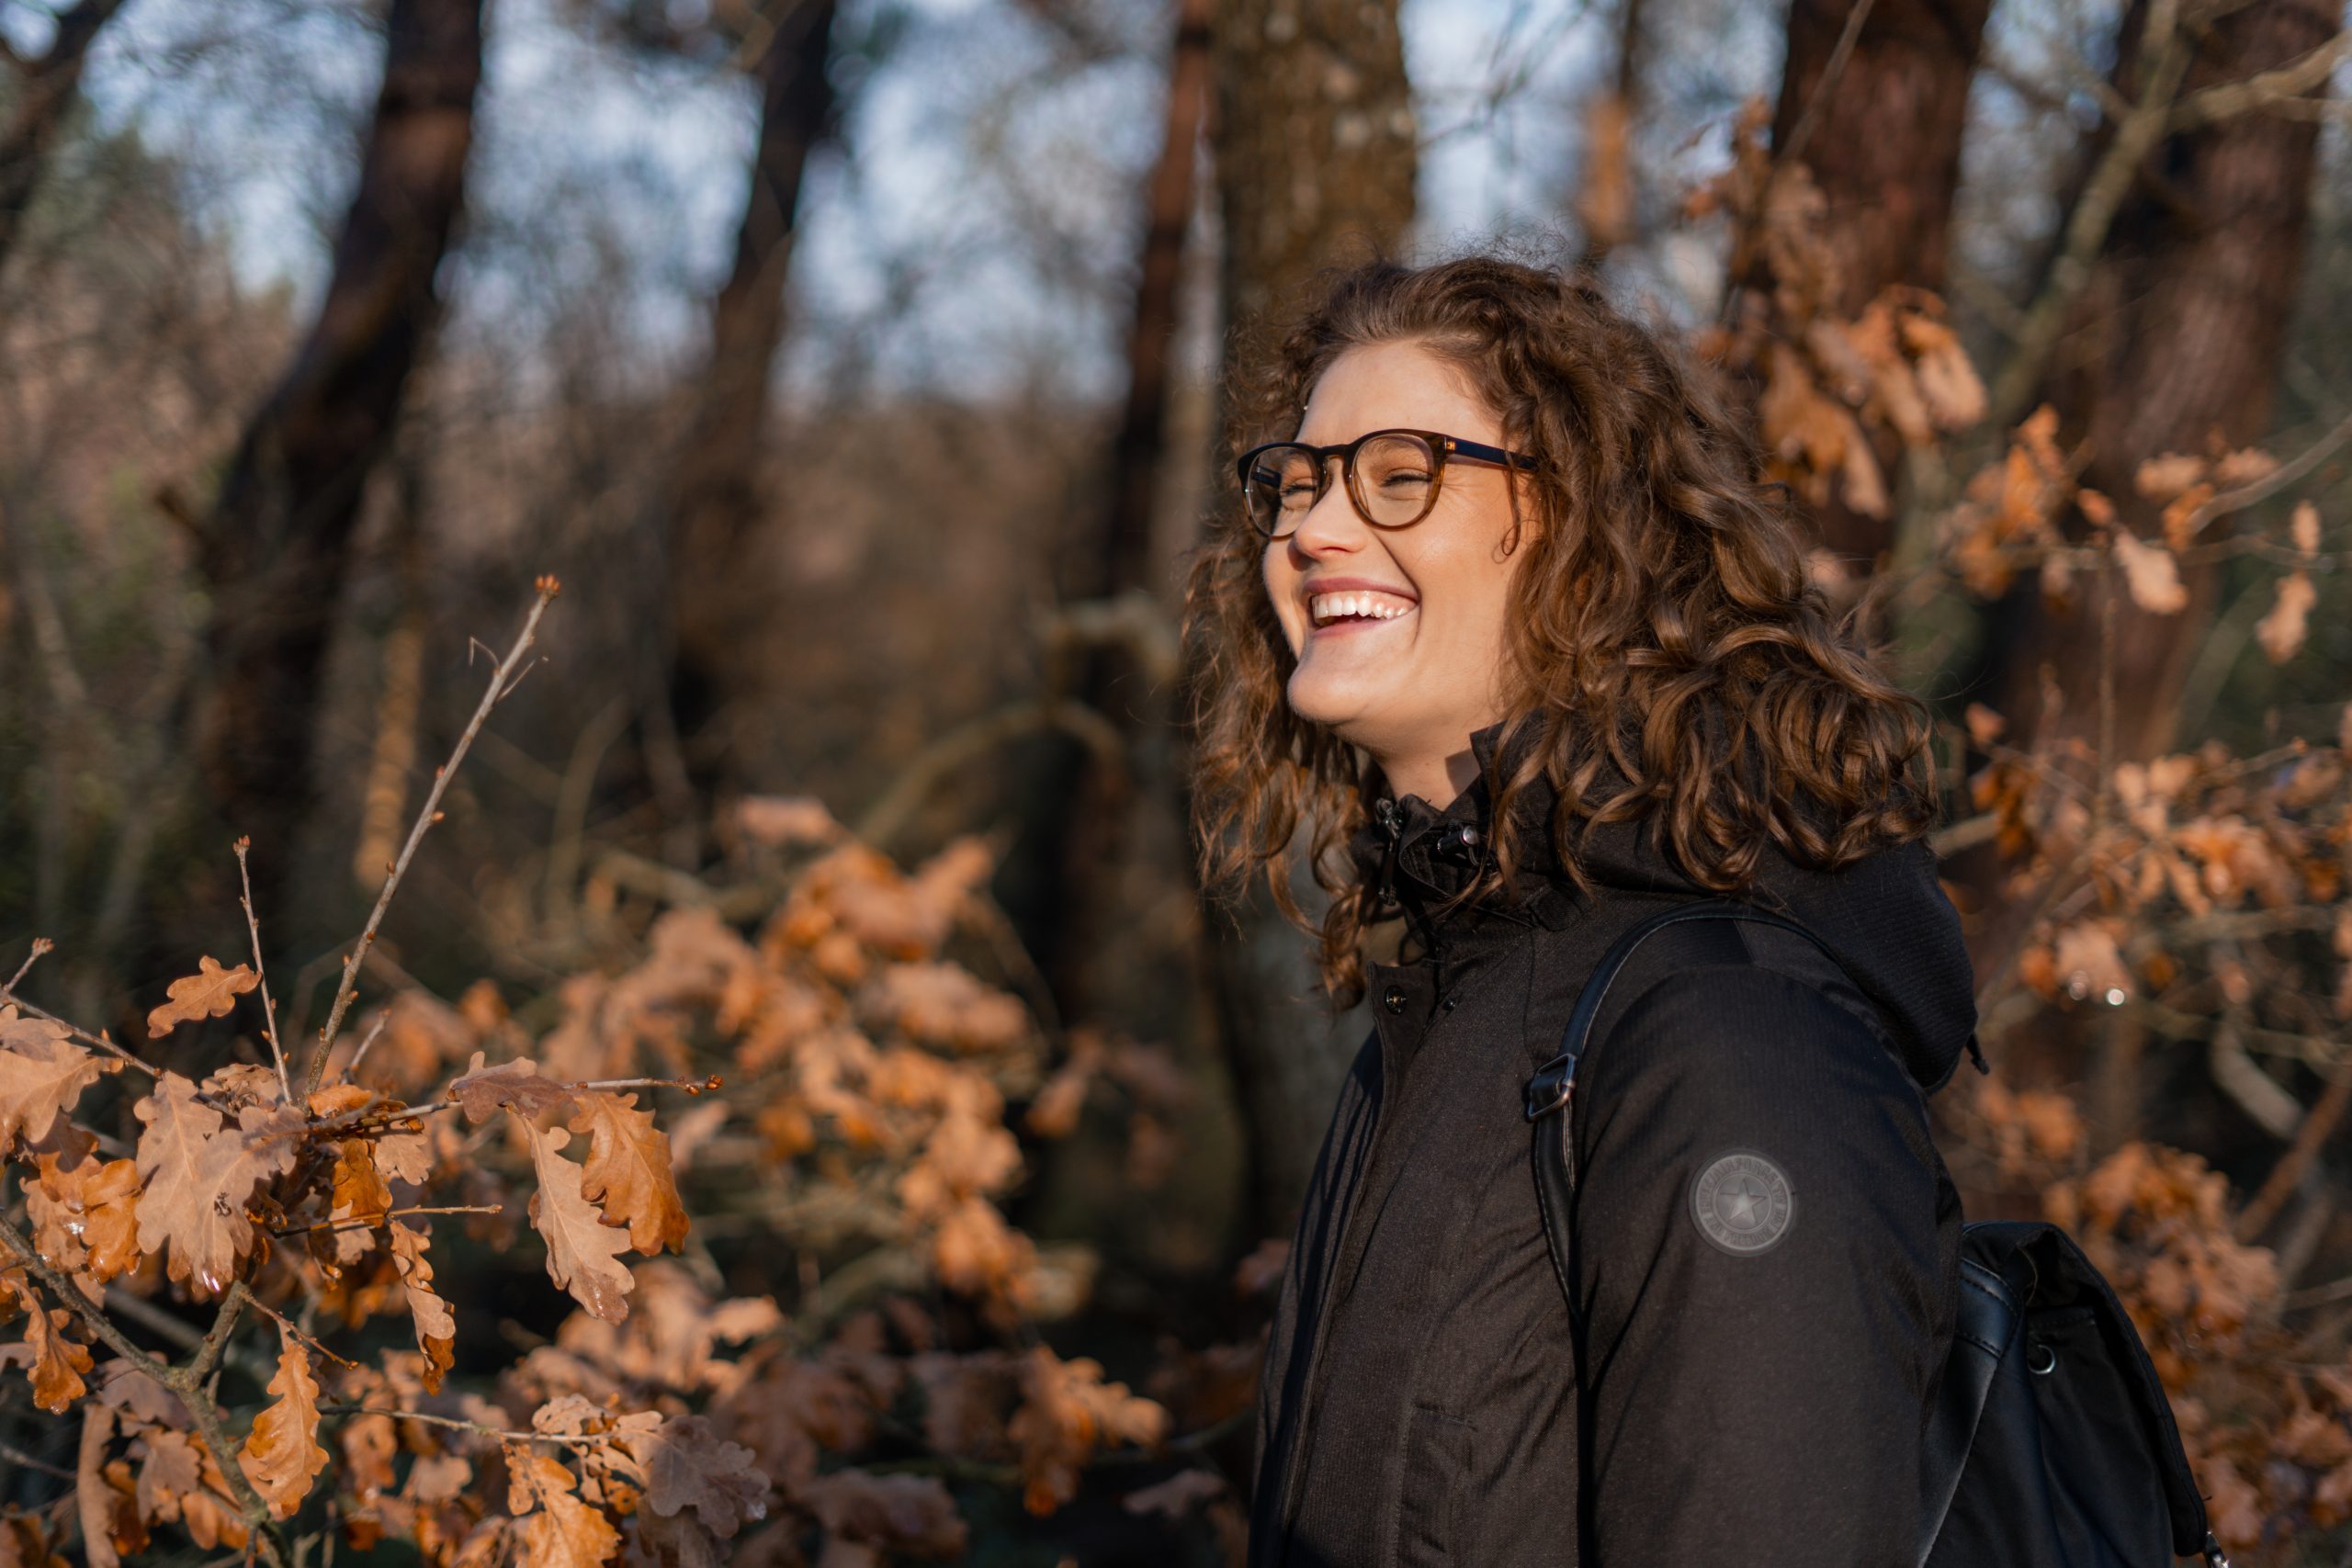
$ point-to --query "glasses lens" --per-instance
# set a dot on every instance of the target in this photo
(1283, 482)
(1396, 478)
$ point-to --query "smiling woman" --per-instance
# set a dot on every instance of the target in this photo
(1498, 546)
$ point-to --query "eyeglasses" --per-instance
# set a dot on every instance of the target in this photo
(1392, 477)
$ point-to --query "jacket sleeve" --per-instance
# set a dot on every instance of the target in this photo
(1765, 1268)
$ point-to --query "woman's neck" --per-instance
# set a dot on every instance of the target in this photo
(1435, 777)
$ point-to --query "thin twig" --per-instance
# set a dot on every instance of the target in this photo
(2102, 765)
(2136, 135)
(373, 1222)
(2263, 88)
(295, 1331)
(261, 974)
(2309, 1134)
(1807, 120)
(692, 1086)
(574, 1440)
(383, 1016)
(41, 944)
(75, 1031)
(2269, 484)
(19, 1456)
(429, 813)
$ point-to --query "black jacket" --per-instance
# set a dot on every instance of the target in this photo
(1422, 1401)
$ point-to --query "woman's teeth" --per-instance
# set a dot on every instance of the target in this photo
(1324, 608)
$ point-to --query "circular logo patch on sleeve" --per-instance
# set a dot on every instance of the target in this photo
(1742, 1202)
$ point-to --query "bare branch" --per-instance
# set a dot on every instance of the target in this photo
(429, 813)
(2264, 89)
(96, 1042)
(569, 1440)
(372, 1221)
(268, 1007)
(2273, 481)
(19, 1456)
(1803, 133)
(41, 944)
(2136, 135)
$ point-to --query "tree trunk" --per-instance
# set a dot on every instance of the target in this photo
(45, 91)
(1316, 150)
(717, 503)
(2176, 342)
(1882, 140)
(1081, 822)
(280, 528)
(1315, 157)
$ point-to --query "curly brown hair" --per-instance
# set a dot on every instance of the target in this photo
(1662, 627)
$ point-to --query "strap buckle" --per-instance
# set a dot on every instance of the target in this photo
(1553, 1083)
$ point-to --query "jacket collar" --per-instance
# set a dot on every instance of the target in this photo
(1419, 857)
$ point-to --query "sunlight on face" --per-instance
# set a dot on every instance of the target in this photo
(1413, 679)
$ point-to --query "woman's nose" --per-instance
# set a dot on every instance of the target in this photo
(1332, 523)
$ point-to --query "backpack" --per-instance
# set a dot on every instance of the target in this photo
(2050, 1443)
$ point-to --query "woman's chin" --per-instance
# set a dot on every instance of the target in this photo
(1343, 707)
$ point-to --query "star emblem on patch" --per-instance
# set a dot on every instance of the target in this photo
(1742, 1202)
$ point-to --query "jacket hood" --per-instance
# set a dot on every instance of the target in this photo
(1886, 916)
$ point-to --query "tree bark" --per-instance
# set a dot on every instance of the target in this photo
(279, 531)
(1881, 139)
(719, 502)
(1316, 148)
(1315, 154)
(45, 91)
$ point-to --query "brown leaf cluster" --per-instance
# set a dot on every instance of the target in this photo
(872, 1086)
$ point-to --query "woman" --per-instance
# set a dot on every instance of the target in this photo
(1556, 596)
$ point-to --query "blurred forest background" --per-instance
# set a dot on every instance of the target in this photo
(855, 366)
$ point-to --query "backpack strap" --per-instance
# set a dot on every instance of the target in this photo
(1988, 1313)
(1982, 1330)
(1702, 938)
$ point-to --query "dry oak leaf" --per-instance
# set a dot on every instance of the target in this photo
(779, 822)
(1067, 1411)
(679, 1541)
(2283, 630)
(42, 1073)
(198, 1177)
(171, 1470)
(913, 1515)
(2151, 573)
(53, 1362)
(629, 1171)
(209, 993)
(85, 1213)
(436, 1326)
(281, 1456)
(583, 1252)
(360, 1194)
(686, 1464)
(483, 1092)
(559, 1530)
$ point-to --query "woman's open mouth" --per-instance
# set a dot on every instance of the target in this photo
(1356, 608)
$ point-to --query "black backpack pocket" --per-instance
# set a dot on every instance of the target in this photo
(2074, 1460)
